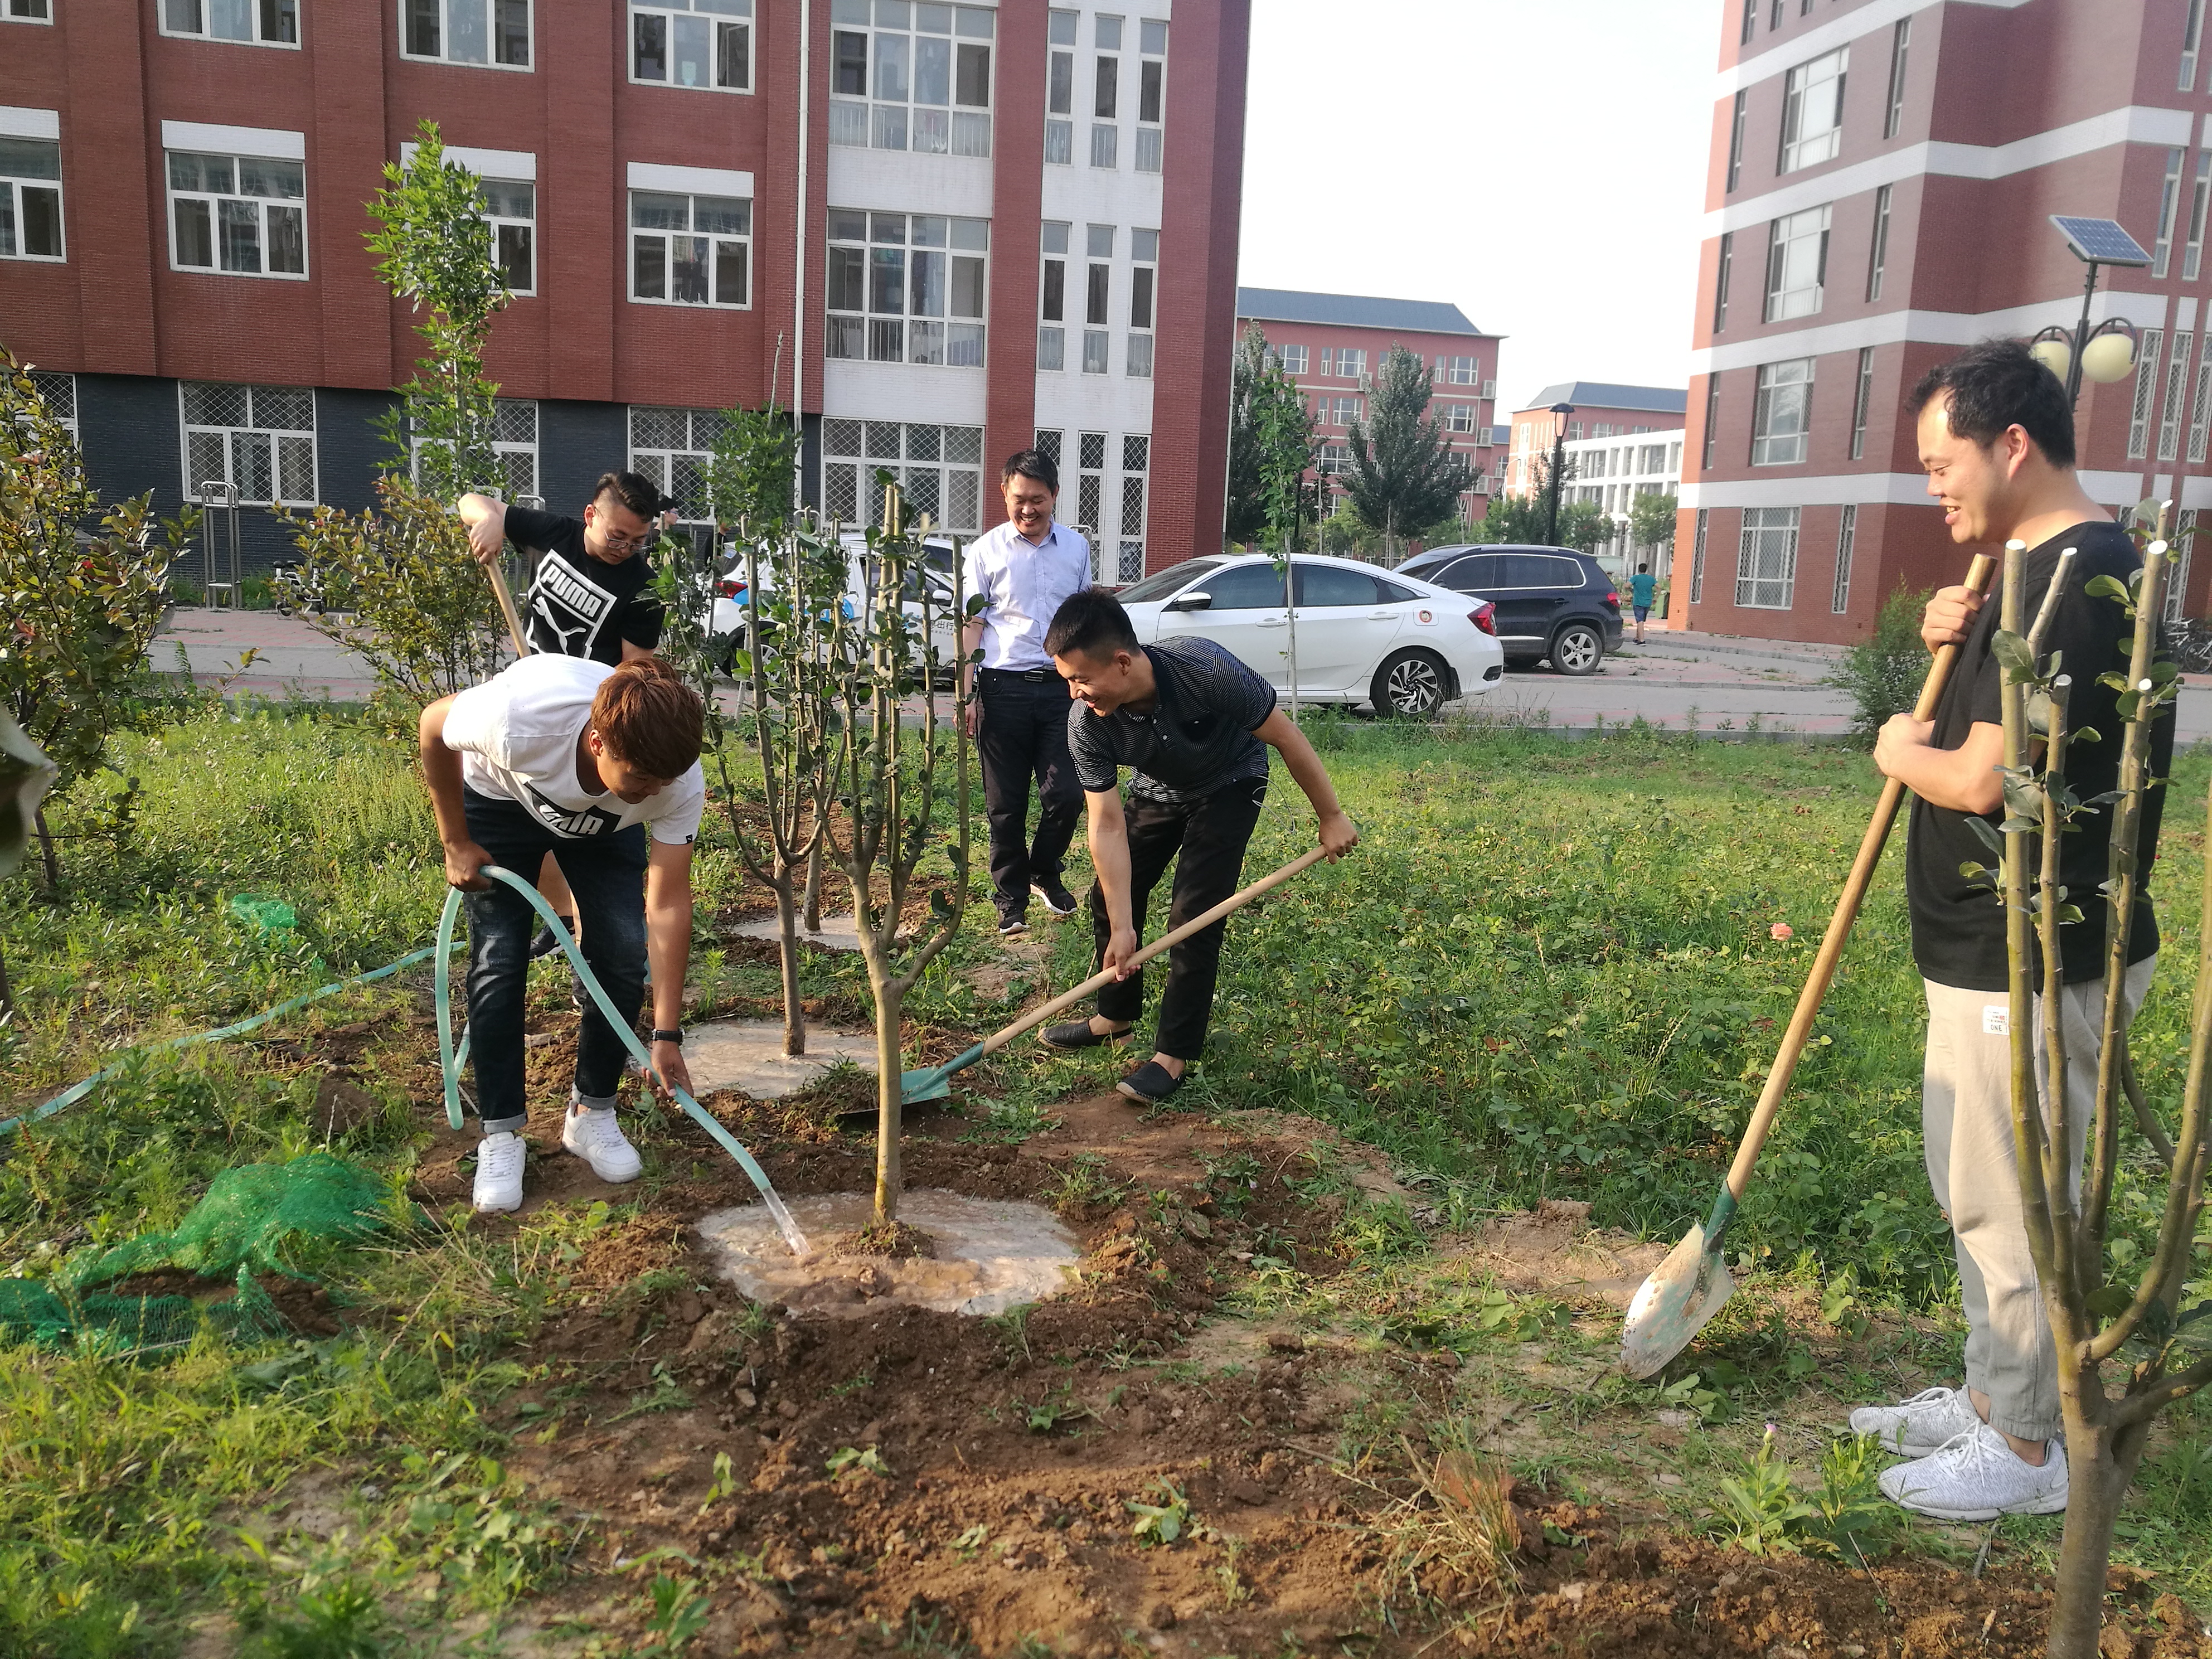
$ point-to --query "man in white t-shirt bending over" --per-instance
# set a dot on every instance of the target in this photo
(565, 756)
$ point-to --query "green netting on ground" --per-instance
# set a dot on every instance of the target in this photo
(259, 1217)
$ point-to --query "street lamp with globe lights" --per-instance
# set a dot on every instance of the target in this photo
(2107, 352)
(1560, 413)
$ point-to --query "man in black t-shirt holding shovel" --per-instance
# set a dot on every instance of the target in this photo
(1997, 438)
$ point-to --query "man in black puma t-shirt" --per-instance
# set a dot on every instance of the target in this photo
(593, 593)
(1997, 438)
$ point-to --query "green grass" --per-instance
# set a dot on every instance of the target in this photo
(1548, 971)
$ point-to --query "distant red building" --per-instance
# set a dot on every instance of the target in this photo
(1331, 344)
(1602, 409)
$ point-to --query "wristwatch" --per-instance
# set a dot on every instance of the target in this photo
(676, 1037)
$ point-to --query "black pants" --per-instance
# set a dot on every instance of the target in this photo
(1023, 741)
(1211, 834)
(607, 875)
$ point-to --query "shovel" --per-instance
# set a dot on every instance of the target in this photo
(506, 597)
(934, 1082)
(1689, 1286)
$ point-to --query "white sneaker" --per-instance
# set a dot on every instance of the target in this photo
(499, 1173)
(1931, 1419)
(595, 1137)
(1978, 1477)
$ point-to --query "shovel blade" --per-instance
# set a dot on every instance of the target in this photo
(1672, 1306)
(933, 1083)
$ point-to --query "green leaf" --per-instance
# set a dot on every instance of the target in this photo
(2012, 651)
(2105, 587)
(2111, 1300)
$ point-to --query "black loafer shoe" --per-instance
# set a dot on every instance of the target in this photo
(1077, 1034)
(1150, 1083)
(1053, 891)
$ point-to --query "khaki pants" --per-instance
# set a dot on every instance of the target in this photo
(1965, 1111)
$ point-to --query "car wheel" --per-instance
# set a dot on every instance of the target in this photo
(1411, 684)
(1577, 648)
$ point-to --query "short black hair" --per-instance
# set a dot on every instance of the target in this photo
(1644, 568)
(633, 490)
(1994, 386)
(1090, 624)
(1031, 464)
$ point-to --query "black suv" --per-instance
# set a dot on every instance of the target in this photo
(1551, 601)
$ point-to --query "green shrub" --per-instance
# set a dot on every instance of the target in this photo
(1883, 675)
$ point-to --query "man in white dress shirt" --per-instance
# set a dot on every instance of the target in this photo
(1025, 569)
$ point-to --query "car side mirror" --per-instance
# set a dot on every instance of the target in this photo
(1199, 601)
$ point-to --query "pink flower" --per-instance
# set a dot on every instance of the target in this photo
(1781, 930)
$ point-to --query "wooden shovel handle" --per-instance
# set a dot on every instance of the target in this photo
(506, 598)
(1840, 926)
(1060, 1003)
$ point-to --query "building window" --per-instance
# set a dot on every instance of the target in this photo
(1290, 358)
(1900, 48)
(690, 250)
(1459, 417)
(1797, 264)
(257, 22)
(1106, 92)
(242, 214)
(1090, 484)
(2192, 34)
(25, 11)
(2177, 580)
(910, 75)
(1735, 142)
(1750, 22)
(907, 287)
(1047, 443)
(1813, 111)
(1152, 89)
(59, 392)
(1781, 416)
(1351, 363)
(1136, 461)
(1862, 402)
(2177, 389)
(1774, 17)
(1339, 411)
(1052, 301)
(2169, 198)
(938, 469)
(1878, 254)
(1059, 90)
(1459, 371)
(1721, 280)
(514, 441)
(30, 198)
(2153, 340)
(707, 43)
(1097, 296)
(2200, 420)
(675, 448)
(1847, 532)
(1767, 559)
(2192, 259)
(495, 33)
(1698, 561)
(1144, 282)
(511, 216)
(258, 440)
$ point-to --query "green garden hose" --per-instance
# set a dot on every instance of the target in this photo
(450, 1060)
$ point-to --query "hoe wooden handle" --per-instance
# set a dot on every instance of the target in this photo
(506, 598)
(1840, 926)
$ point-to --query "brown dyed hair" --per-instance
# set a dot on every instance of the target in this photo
(649, 719)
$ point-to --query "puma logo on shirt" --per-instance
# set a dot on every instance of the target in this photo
(570, 607)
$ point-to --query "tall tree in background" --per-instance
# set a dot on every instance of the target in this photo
(1651, 526)
(1267, 421)
(1404, 476)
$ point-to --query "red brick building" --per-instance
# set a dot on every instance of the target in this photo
(942, 232)
(1331, 344)
(1602, 409)
(1881, 177)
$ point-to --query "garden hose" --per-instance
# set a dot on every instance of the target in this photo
(77, 1092)
(450, 1060)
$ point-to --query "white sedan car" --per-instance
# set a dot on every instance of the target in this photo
(1365, 635)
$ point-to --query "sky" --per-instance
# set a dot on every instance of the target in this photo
(1539, 164)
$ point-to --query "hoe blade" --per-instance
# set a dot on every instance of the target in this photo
(1672, 1305)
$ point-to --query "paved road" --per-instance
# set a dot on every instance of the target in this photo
(1718, 683)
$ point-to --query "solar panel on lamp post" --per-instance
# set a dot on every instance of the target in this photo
(2094, 242)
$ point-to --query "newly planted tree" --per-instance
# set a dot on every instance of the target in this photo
(786, 656)
(902, 736)
(2152, 1333)
(1404, 475)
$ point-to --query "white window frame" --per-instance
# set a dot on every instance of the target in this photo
(1060, 31)
(1783, 384)
(1900, 57)
(498, 222)
(718, 15)
(2192, 36)
(867, 120)
(405, 9)
(9, 15)
(1847, 536)
(666, 464)
(2200, 419)
(1153, 90)
(1355, 357)
(1862, 402)
(32, 126)
(1797, 263)
(235, 438)
(1290, 359)
(512, 168)
(58, 388)
(1697, 557)
(1766, 559)
(1814, 90)
(2176, 392)
(1053, 239)
(1136, 497)
(1458, 417)
(514, 438)
(2147, 358)
(962, 245)
(1108, 39)
(1878, 249)
(1144, 303)
(694, 185)
(1462, 371)
(2169, 200)
(241, 147)
(941, 468)
(262, 14)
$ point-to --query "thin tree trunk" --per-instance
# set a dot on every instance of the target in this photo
(787, 922)
(890, 1004)
(7, 991)
(814, 889)
(2094, 1488)
(46, 852)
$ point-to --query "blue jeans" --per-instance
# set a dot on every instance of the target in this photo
(607, 876)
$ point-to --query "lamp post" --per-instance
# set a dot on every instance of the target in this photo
(1560, 413)
(2105, 353)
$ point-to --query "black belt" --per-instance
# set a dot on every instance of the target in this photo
(1036, 676)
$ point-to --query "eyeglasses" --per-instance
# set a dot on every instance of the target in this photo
(613, 538)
